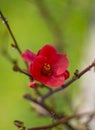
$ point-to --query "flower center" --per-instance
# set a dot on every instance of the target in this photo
(46, 69)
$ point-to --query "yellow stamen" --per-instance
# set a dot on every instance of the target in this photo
(46, 69)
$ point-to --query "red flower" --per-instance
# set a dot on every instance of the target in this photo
(48, 67)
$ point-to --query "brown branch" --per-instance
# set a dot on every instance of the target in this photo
(49, 111)
(75, 77)
(63, 121)
(16, 68)
(15, 45)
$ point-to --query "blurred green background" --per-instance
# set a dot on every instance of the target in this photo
(62, 23)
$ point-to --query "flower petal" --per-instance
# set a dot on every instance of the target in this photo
(47, 51)
(48, 67)
(59, 63)
(35, 68)
(28, 56)
(55, 81)
(66, 74)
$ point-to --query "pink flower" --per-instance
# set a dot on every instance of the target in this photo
(48, 66)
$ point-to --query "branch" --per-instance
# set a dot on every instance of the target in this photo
(46, 110)
(75, 77)
(16, 68)
(15, 45)
(42, 108)
(61, 121)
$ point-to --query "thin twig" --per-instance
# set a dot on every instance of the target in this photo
(49, 111)
(63, 121)
(16, 68)
(5, 21)
(75, 77)
(15, 44)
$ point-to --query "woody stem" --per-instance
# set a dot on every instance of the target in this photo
(75, 77)
(10, 31)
